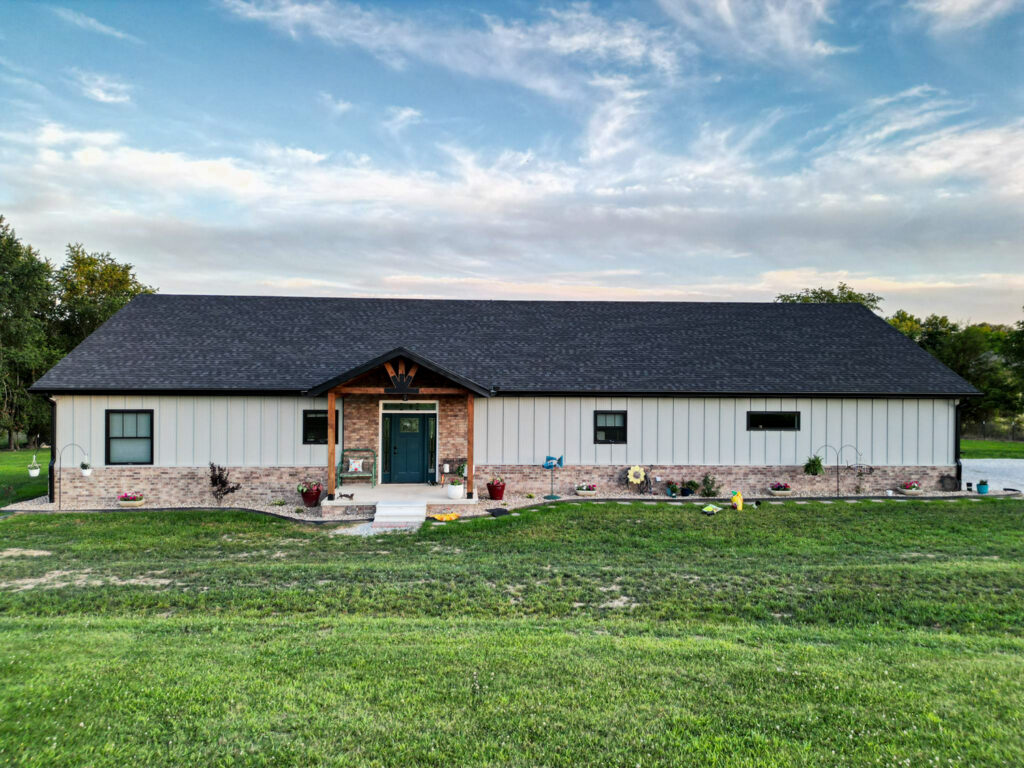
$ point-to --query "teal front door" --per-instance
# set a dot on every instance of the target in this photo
(408, 448)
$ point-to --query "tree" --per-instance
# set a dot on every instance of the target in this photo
(907, 324)
(841, 294)
(25, 350)
(88, 289)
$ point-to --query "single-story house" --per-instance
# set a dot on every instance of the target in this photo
(282, 389)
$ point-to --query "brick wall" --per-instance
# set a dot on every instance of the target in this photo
(751, 480)
(183, 486)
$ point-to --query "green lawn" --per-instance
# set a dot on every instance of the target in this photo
(805, 635)
(991, 449)
(15, 484)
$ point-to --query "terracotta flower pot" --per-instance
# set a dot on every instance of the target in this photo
(311, 498)
(496, 491)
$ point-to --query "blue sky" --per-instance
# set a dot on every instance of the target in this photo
(671, 149)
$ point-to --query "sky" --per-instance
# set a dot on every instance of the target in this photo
(667, 150)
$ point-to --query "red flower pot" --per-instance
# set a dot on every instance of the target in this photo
(497, 492)
(311, 498)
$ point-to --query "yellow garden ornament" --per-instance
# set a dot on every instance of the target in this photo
(636, 475)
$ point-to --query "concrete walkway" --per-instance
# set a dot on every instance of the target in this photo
(1000, 473)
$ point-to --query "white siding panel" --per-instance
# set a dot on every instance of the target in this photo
(772, 440)
(649, 434)
(573, 431)
(527, 451)
(287, 437)
(864, 442)
(909, 432)
(833, 429)
(758, 440)
(588, 448)
(925, 424)
(542, 428)
(712, 430)
(787, 440)
(741, 437)
(879, 432)
(666, 426)
(894, 443)
(165, 432)
(849, 431)
(802, 439)
(83, 433)
(97, 445)
(510, 433)
(681, 431)
(495, 416)
(557, 428)
(943, 433)
(634, 431)
(819, 426)
(695, 435)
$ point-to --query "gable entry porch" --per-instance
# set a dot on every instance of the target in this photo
(404, 417)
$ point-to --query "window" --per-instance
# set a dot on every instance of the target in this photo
(409, 406)
(129, 437)
(609, 426)
(314, 427)
(773, 421)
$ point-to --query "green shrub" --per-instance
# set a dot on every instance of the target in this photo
(708, 486)
(814, 466)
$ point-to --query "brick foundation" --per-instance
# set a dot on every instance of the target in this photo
(183, 486)
(751, 480)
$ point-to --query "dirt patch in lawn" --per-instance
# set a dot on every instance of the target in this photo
(15, 552)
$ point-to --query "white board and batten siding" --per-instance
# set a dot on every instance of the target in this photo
(713, 431)
(192, 431)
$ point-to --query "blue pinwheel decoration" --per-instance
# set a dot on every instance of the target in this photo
(552, 463)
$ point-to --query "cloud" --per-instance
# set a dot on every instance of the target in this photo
(553, 56)
(757, 29)
(87, 22)
(400, 118)
(948, 15)
(914, 188)
(334, 105)
(102, 88)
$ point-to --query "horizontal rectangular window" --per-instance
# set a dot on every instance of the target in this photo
(314, 427)
(410, 406)
(773, 421)
(609, 426)
(129, 437)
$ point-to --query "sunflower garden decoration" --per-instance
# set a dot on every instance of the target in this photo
(636, 475)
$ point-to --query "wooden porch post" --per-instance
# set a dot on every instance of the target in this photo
(469, 445)
(332, 430)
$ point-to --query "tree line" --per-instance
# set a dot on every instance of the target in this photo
(989, 355)
(45, 312)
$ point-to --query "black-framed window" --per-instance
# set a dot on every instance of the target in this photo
(609, 426)
(314, 427)
(129, 437)
(773, 421)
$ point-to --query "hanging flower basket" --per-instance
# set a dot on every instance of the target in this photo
(33, 468)
(86, 468)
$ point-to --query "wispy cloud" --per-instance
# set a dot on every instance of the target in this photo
(102, 88)
(334, 105)
(531, 55)
(400, 118)
(82, 21)
(757, 29)
(948, 15)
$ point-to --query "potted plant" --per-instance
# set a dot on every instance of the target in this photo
(130, 499)
(586, 489)
(689, 488)
(33, 468)
(983, 486)
(911, 488)
(310, 492)
(672, 489)
(86, 467)
(780, 489)
(461, 470)
(454, 489)
(496, 488)
(814, 466)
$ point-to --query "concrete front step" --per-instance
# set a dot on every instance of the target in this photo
(399, 514)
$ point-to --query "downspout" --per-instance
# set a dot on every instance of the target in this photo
(53, 449)
(956, 440)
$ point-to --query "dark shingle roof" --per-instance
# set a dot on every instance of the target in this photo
(173, 343)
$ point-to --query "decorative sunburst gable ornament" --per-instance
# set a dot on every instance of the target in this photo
(636, 475)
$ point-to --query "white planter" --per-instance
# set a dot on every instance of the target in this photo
(33, 472)
(910, 491)
(454, 491)
(86, 472)
(137, 503)
(781, 493)
(586, 493)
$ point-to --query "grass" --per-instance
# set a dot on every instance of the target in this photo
(592, 634)
(15, 484)
(991, 449)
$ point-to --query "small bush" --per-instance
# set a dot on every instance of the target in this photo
(278, 503)
(708, 486)
(220, 483)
